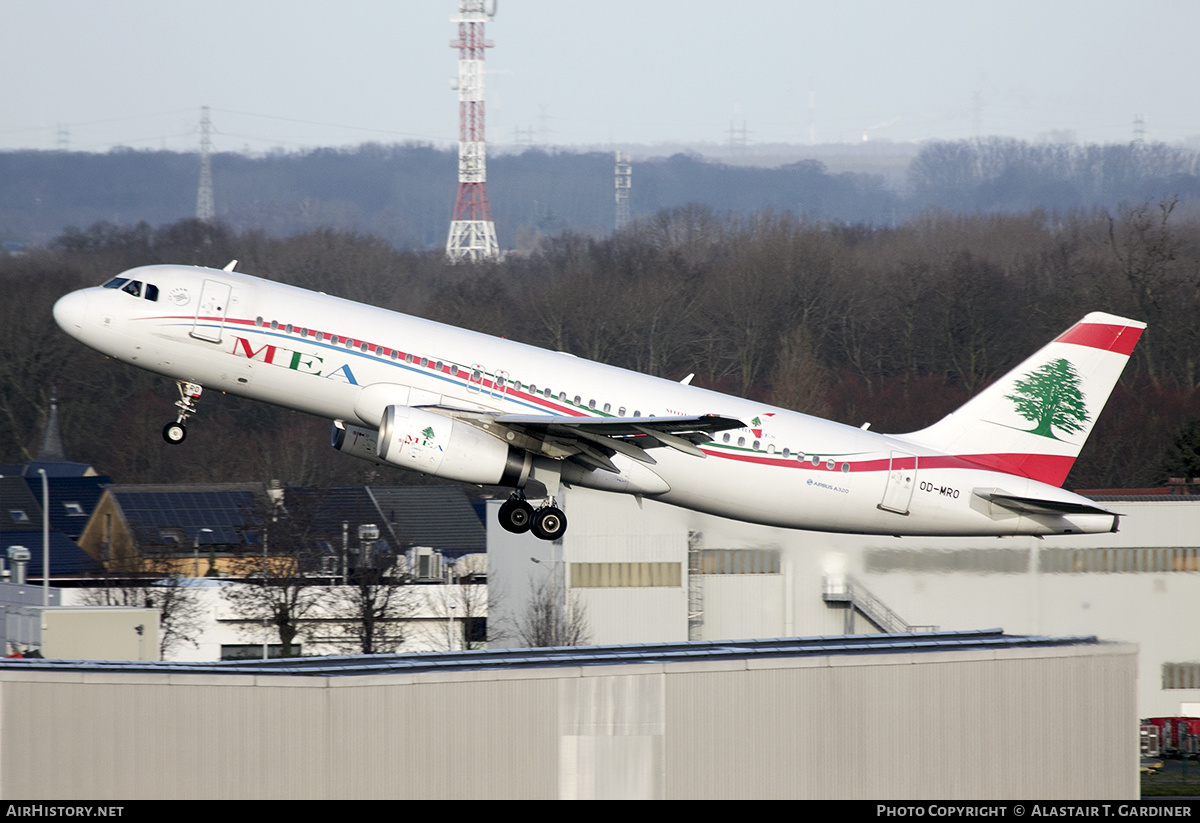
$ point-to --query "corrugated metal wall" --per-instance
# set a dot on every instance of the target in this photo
(1048, 723)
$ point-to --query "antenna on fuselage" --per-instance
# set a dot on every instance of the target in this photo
(230, 266)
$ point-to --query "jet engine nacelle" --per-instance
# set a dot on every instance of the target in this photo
(355, 441)
(429, 443)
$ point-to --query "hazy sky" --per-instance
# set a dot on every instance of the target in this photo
(301, 73)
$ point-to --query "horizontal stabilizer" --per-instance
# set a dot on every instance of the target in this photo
(1035, 505)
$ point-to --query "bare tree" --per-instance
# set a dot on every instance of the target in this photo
(552, 617)
(463, 606)
(282, 588)
(147, 583)
(369, 614)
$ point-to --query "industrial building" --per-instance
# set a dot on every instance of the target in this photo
(639, 571)
(974, 715)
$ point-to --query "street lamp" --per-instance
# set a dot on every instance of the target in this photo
(196, 551)
(45, 538)
(558, 596)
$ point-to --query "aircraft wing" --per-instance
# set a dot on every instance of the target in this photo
(594, 440)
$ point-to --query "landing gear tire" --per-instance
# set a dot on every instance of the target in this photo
(516, 516)
(189, 393)
(549, 523)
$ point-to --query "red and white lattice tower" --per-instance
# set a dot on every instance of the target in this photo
(472, 232)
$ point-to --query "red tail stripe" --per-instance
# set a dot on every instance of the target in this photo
(1119, 339)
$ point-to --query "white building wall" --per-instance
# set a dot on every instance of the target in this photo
(1009, 723)
(1154, 610)
(426, 622)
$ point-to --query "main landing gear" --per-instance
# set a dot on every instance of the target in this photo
(189, 393)
(546, 523)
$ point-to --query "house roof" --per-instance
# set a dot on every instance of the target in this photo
(66, 559)
(72, 500)
(440, 517)
(160, 514)
(838, 646)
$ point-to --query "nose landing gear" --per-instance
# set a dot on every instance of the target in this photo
(189, 393)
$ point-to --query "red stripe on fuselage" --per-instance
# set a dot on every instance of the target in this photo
(1045, 468)
(1119, 339)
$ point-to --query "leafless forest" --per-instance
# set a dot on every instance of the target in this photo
(895, 326)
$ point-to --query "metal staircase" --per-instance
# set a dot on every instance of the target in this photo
(855, 597)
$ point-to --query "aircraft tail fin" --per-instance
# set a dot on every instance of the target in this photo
(1034, 420)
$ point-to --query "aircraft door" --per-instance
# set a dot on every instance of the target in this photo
(901, 480)
(210, 313)
(475, 381)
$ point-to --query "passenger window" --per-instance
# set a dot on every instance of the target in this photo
(395, 354)
(845, 468)
(592, 404)
(725, 437)
(362, 346)
(621, 412)
(607, 408)
(288, 328)
(424, 362)
(274, 325)
(408, 358)
(741, 441)
(454, 370)
(151, 293)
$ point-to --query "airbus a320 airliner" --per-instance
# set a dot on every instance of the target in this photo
(444, 401)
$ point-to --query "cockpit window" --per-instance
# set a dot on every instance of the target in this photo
(134, 287)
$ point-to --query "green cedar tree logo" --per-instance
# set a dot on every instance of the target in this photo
(427, 433)
(1049, 397)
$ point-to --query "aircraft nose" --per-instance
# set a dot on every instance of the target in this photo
(70, 311)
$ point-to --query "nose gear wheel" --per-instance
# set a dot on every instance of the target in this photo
(189, 393)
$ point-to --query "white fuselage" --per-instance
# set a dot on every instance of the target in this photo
(288, 346)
